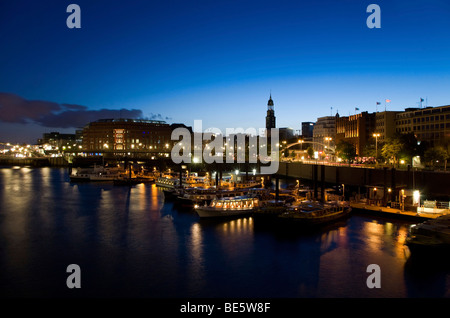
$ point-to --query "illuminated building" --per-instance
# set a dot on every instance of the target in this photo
(431, 124)
(324, 132)
(125, 136)
(355, 129)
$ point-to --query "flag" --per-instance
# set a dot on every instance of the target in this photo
(388, 100)
(356, 108)
(378, 103)
(421, 100)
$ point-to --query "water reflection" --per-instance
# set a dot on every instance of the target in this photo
(129, 242)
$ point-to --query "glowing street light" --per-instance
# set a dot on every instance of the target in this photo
(376, 135)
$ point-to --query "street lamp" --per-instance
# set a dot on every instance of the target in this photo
(376, 135)
(328, 139)
(301, 141)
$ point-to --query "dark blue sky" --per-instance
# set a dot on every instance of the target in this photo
(219, 60)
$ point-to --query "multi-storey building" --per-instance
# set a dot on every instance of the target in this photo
(324, 133)
(286, 133)
(355, 129)
(385, 124)
(307, 130)
(120, 136)
(57, 141)
(431, 124)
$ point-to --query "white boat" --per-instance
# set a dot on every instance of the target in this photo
(195, 182)
(227, 207)
(96, 173)
(105, 174)
(430, 236)
(199, 196)
(167, 182)
(81, 175)
(247, 184)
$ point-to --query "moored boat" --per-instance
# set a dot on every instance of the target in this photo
(314, 213)
(430, 236)
(126, 181)
(172, 193)
(228, 207)
(247, 184)
(96, 173)
(167, 182)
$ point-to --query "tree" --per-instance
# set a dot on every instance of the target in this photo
(436, 154)
(346, 150)
(391, 149)
(410, 146)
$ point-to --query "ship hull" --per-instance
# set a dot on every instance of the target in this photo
(216, 213)
(312, 220)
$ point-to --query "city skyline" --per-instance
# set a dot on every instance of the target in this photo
(217, 62)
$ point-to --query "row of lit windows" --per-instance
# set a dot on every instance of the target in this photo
(424, 119)
(425, 127)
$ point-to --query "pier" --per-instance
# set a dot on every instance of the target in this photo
(428, 182)
(392, 212)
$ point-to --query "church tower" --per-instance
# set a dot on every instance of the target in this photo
(270, 118)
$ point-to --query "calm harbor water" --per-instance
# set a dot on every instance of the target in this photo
(129, 242)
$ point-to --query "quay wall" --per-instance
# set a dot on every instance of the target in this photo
(34, 162)
(429, 182)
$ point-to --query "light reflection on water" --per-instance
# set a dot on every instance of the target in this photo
(129, 242)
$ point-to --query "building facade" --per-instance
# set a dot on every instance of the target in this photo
(57, 141)
(356, 129)
(126, 136)
(324, 133)
(430, 124)
(385, 124)
(307, 130)
(286, 133)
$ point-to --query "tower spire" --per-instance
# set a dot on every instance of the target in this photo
(270, 118)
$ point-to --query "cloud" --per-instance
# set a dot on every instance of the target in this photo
(158, 117)
(15, 109)
(79, 118)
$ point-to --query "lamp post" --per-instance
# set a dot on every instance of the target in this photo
(376, 135)
(301, 141)
(328, 139)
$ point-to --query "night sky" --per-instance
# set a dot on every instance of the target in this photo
(215, 60)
